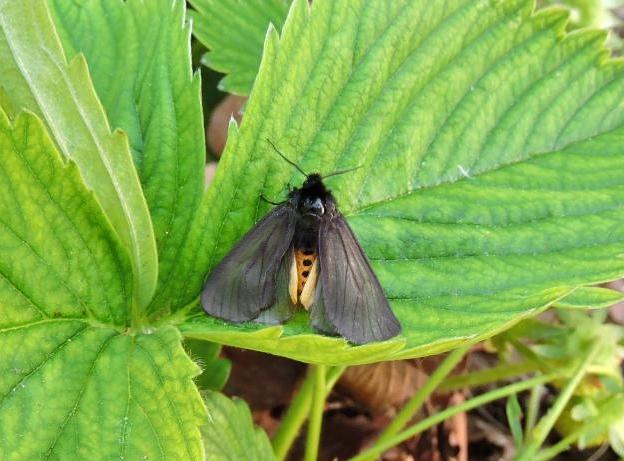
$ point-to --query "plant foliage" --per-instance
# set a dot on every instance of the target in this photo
(490, 145)
(490, 150)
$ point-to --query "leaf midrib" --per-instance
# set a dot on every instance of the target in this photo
(490, 255)
(76, 404)
(489, 226)
(450, 181)
(47, 358)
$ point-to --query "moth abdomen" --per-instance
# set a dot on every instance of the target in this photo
(304, 263)
(304, 259)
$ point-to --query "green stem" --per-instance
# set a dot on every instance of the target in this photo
(533, 408)
(490, 375)
(538, 435)
(565, 443)
(425, 424)
(593, 426)
(316, 413)
(411, 408)
(293, 420)
(333, 375)
(298, 411)
(528, 354)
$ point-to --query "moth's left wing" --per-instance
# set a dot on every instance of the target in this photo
(246, 280)
(282, 309)
(353, 301)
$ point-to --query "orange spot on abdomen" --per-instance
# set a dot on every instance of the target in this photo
(304, 260)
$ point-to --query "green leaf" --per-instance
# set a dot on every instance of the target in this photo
(514, 416)
(490, 146)
(154, 97)
(60, 258)
(616, 436)
(147, 408)
(234, 31)
(590, 298)
(294, 340)
(37, 77)
(75, 384)
(215, 370)
(583, 13)
(230, 434)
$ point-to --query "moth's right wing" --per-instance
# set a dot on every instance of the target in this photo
(350, 300)
(245, 281)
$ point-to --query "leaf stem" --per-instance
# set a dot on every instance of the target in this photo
(333, 375)
(482, 399)
(414, 404)
(533, 408)
(544, 426)
(487, 376)
(298, 412)
(316, 413)
(293, 420)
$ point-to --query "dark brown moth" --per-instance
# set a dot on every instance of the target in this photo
(302, 254)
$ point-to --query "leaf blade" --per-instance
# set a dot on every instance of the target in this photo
(234, 33)
(155, 98)
(477, 202)
(230, 433)
(41, 80)
(591, 298)
(54, 236)
(78, 383)
(157, 414)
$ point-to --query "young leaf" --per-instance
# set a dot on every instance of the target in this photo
(215, 371)
(590, 298)
(234, 32)
(37, 77)
(74, 382)
(490, 146)
(229, 433)
(147, 89)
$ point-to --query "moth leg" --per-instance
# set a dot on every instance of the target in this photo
(262, 197)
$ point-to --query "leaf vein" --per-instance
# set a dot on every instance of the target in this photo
(81, 391)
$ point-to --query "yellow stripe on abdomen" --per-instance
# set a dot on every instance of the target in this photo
(303, 272)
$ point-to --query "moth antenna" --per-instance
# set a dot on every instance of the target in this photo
(287, 159)
(336, 173)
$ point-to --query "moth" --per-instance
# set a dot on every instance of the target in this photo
(302, 254)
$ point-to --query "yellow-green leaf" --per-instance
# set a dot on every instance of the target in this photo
(36, 76)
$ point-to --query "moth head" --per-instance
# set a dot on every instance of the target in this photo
(313, 206)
